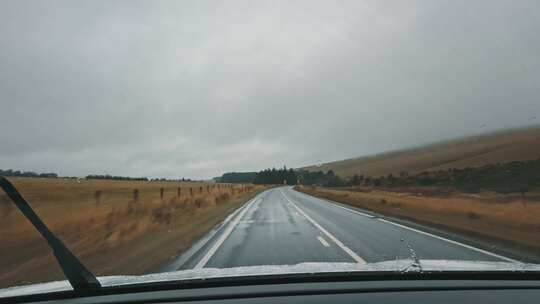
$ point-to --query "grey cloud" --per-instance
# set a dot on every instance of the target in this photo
(177, 88)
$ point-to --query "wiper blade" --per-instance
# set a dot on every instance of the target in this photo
(80, 278)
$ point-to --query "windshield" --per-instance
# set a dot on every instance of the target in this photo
(163, 140)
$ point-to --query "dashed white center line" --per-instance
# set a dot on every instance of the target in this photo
(347, 250)
(323, 241)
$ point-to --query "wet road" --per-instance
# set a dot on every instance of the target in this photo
(283, 227)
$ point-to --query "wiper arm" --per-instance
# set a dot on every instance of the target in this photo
(80, 278)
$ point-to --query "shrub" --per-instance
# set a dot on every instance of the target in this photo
(473, 215)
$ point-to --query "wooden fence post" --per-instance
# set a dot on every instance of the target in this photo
(135, 195)
(179, 191)
(97, 196)
(161, 193)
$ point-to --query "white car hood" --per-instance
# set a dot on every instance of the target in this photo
(405, 265)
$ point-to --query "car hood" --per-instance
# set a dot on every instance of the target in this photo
(405, 265)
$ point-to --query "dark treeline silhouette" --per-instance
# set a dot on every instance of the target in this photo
(516, 176)
(127, 178)
(113, 177)
(284, 176)
(320, 178)
(18, 173)
(237, 177)
(276, 176)
(171, 179)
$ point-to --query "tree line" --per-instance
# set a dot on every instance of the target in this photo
(320, 178)
(17, 173)
(515, 176)
(128, 178)
(113, 177)
(284, 176)
(236, 177)
(276, 176)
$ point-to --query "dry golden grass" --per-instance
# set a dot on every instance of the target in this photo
(112, 234)
(512, 219)
(504, 146)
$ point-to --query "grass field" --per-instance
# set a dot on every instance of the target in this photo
(499, 147)
(508, 221)
(109, 227)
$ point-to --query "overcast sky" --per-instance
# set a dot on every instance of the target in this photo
(198, 88)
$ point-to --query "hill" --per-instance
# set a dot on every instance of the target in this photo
(498, 147)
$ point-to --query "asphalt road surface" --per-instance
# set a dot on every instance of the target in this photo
(284, 227)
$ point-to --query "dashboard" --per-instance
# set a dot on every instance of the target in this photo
(409, 291)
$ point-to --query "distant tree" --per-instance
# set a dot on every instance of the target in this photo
(111, 177)
(48, 175)
(291, 177)
(18, 173)
(367, 181)
(238, 177)
(355, 181)
(276, 176)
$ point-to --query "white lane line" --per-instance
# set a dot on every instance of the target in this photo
(339, 206)
(201, 243)
(353, 211)
(323, 241)
(428, 234)
(450, 241)
(224, 236)
(351, 253)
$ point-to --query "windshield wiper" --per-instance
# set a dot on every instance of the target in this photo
(80, 278)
